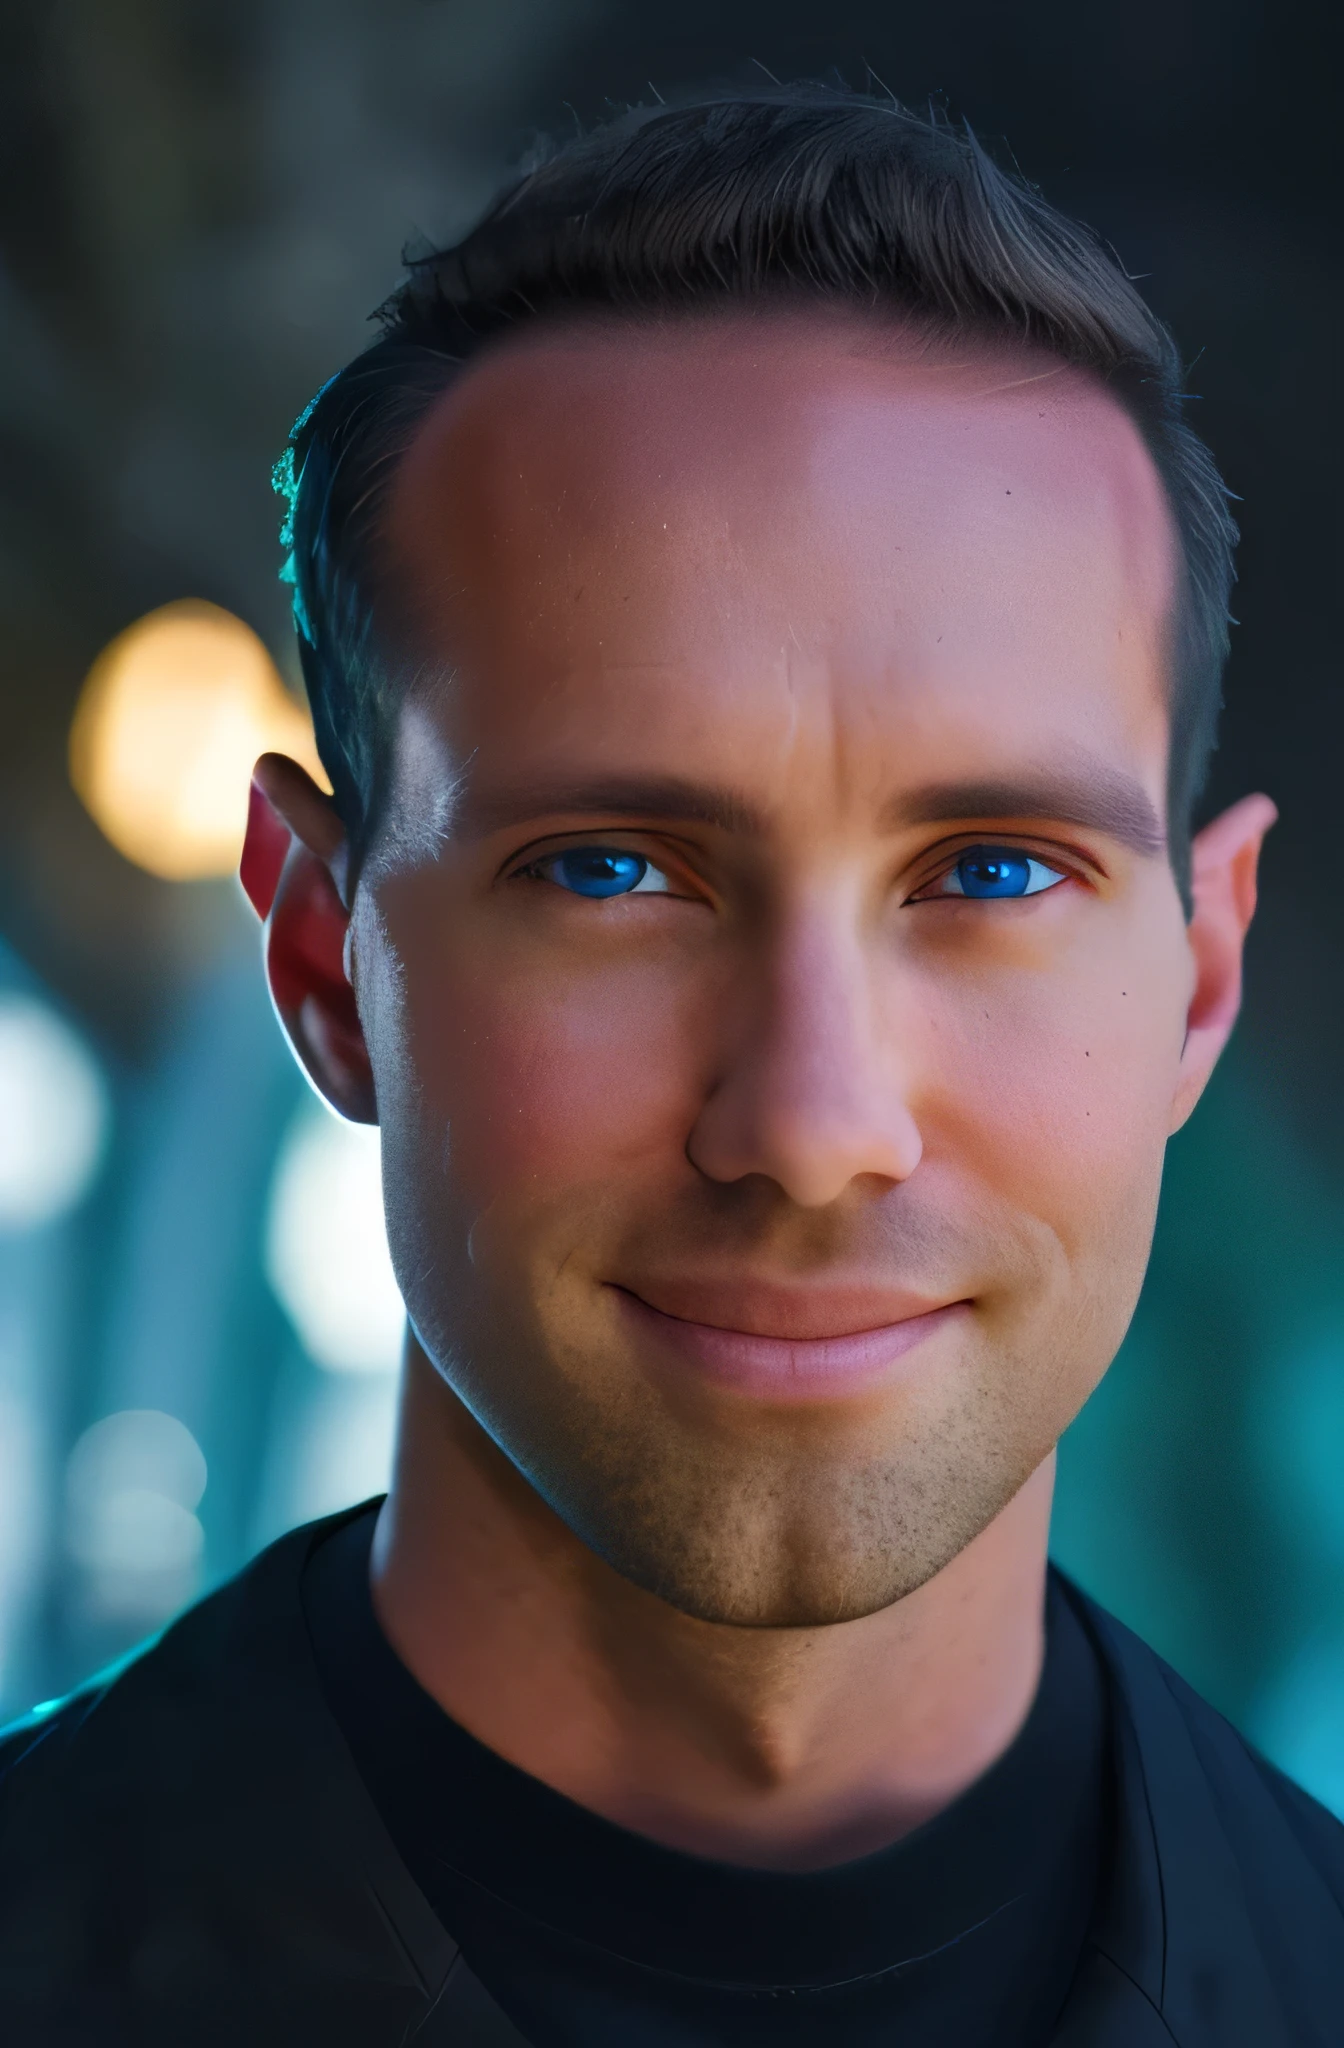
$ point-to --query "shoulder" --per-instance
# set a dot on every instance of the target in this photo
(1203, 1775)
(1224, 1899)
(1254, 1797)
(31, 1747)
(187, 1835)
(187, 1724)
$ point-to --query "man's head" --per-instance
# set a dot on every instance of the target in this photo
(769, 972)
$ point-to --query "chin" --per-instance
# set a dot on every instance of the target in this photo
(756, 1554)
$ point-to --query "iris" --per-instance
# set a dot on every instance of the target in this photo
(601, 871)
(998, 871)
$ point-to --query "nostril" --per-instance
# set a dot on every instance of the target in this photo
(813, 1163)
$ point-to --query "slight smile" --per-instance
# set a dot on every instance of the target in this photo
(824, 1365)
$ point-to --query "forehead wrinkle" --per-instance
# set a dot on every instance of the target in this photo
(1006, 384)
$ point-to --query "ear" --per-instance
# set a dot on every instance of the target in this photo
(1224, 860)
(294, 871)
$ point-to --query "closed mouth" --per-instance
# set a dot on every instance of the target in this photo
(814, 1348)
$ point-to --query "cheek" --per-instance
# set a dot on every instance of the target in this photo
(539, 1087)
(1057, 1094)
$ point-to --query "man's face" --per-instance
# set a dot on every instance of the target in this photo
(774, 981)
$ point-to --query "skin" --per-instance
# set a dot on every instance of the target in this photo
(798, 611)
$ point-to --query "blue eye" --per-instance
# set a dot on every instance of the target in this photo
(602, 871)
(985, 871)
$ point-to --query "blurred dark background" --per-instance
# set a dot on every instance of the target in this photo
(201, 202)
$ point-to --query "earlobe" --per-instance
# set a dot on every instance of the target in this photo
(1225, 861)
(294, 847)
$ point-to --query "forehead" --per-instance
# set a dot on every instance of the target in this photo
(786, 515)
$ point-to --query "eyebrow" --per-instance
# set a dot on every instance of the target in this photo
(642, 796)
(1094, 795)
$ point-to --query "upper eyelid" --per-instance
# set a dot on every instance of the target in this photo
(614, 836)
(542, 860)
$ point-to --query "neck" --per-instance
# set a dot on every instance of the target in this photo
(783, 1748)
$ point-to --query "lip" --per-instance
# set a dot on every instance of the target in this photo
(823, 1364)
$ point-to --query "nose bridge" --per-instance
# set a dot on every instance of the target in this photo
(812, 1092)
(817, 1006)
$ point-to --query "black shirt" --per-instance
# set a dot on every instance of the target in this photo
(964, 1934)
(188, 1854)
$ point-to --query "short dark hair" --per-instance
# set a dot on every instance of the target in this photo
(733, 200)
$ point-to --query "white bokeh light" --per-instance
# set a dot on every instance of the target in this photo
(53, 1115)
(326, 1247)
(132, 1484)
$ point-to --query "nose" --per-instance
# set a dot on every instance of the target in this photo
(812, 1091)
